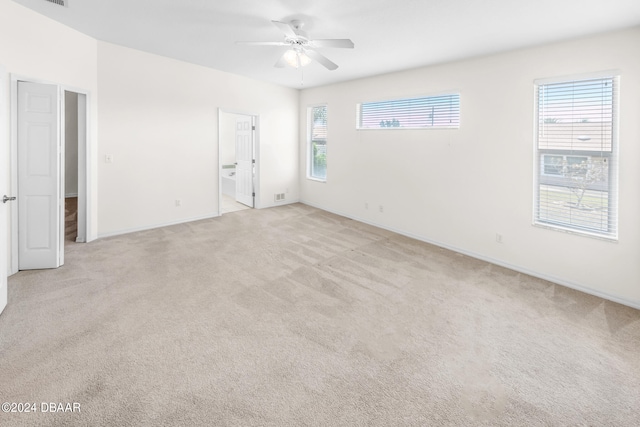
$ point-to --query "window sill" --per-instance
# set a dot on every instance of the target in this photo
(310, 178)
(610, 239)
(410, 128)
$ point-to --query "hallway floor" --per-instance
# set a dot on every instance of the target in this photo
(70, 219)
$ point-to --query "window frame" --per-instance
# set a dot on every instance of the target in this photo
(420, 99)
(610, 157)
(310, 142)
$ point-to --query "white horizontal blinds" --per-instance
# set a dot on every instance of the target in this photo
(576, 115)
(577, 163)
(423, 112)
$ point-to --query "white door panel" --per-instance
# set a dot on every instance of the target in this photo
(244, 161)
(4, 188)
(39, 178)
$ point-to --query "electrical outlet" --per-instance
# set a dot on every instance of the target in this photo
(366, 205)
(381, 208)
(178, 202)
(498, 238)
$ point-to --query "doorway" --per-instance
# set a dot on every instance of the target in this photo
(41, 177)
(71, 166)
(237, 161)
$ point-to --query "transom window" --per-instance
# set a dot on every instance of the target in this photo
(576, 176)
(441, 111)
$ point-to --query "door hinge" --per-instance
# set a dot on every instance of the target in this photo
(253, 194)
(253, 128)
(253, 161)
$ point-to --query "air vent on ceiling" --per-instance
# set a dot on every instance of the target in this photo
(58, 2)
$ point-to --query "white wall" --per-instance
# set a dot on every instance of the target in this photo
(71, 144)
(35, 47)
(159, 121)
(158, 118)
(458, 188)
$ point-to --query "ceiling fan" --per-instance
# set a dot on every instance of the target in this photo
(301, 48)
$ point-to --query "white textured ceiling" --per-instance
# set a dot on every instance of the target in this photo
(389, 35)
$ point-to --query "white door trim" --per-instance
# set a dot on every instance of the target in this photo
(257, 204)
(84, 162)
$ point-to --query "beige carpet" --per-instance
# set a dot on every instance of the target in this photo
(292, 316)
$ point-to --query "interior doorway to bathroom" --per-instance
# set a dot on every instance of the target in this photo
(237, 168)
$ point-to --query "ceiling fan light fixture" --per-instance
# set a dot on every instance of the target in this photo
(296, 58)
(301, 49)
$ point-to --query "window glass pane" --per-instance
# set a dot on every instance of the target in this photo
(412, 113)
(552, 165)
(318, 141)
(577, 166)
(578, 196)
(576, 115)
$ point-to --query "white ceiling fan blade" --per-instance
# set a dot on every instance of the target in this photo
(286, 29)
(263, 43)
(326, 62)
(281, 62)
(341, 43)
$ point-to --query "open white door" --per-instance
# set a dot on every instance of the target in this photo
(39, 178)
(244, 160)
(4, 206)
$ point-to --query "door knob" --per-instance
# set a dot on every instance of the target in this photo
(6, 199)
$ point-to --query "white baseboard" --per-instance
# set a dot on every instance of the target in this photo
(281, 203)
(519, 269)
(151, 227)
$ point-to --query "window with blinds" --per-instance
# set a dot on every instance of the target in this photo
(576, 172)
(441, 111)
(317, 139)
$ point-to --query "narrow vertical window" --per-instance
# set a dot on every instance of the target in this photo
(576, 161)
(317, 168)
